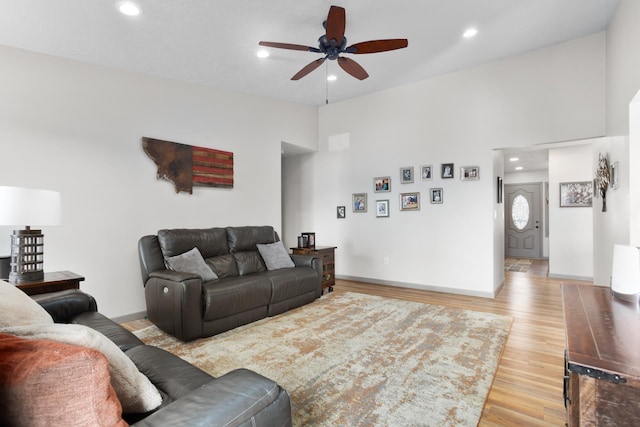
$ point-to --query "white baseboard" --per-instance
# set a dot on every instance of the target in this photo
(419, 286)
(130, 317)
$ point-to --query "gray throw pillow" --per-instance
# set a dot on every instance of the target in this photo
(275, 256)
(191, 262)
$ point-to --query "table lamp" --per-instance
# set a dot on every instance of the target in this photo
(625, 273)
(21, 206)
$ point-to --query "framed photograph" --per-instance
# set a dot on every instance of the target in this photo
(470, 173)
(359, 202)
(614, 175)
(382, 208)
(426, 172)
(436, 195)
(406, 175)
(341, 212)
(410, 201)
(381, 184)
(446, 170)
(499, 190)
(311, 239)
(576, 194)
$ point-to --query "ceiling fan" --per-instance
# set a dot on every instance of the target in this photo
(333, 43)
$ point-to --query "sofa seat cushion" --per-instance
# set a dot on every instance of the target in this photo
(123, 338)
(46, 383)
(233, 295)
(292, 282)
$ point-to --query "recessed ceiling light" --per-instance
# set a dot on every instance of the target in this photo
(518, 168)
(128, 8)
(471, 32)
(514, 159)
(332, 77)
(262, 53)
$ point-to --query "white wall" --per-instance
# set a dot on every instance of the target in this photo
(623, 65)
(612, 226)
(77, 129)
(553, 94)
(571, 228)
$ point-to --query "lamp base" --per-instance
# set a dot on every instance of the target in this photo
(27, 252)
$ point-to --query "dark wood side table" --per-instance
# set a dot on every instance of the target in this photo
(602, 369)
(327, 255)
(52, 282)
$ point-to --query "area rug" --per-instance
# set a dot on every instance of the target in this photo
(520, 265)
(351, 359)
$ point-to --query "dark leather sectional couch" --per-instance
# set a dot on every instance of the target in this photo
(190, 396)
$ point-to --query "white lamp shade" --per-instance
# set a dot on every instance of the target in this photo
(625, 274)
(29, 207)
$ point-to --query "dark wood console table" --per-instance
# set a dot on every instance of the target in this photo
(327, 255)
(52, 282)
(602, 369)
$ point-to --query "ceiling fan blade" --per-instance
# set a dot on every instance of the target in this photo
(288, 46)
(353, 68)
(336, 21)
(308, 68)
(375, 46)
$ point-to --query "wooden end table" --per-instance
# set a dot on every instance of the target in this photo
(52, 282)
(327, 255)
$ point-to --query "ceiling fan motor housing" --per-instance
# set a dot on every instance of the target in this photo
(330, 47)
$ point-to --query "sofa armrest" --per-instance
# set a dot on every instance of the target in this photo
(309, 261)
(175, 276)
(238, 398)
(65, 305)
(174, 303)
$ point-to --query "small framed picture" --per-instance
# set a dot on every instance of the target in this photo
(576, 194)
(426, 172)
(359, 202)
(614, 175)
(341, 212)
(406, 175)
(311, 239)
(470, 173)
(410, 201)
(436, 195)
(381, 184)
(382, 208)
(446, 170)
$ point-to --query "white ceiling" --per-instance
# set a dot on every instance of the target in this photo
(214, 42)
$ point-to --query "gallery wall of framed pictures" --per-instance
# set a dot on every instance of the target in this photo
(410, 200)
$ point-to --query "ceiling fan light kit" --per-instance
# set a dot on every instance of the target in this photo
(333, 43)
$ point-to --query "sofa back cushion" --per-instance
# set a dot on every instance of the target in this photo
(223, 266)
(209, 241)
(243, 239)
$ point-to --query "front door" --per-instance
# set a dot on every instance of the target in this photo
(523, 228)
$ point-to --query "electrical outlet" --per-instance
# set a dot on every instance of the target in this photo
(386, 260)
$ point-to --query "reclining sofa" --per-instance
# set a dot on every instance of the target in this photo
(189, 396)
(188, 306)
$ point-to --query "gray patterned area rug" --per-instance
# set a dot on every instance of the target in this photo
(351, 359)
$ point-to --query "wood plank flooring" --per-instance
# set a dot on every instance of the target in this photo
(527, 389)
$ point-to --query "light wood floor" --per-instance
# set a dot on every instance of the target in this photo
(527, 389)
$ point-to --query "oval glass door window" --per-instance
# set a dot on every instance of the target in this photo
(520, 212)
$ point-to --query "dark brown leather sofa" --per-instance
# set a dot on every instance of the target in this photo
(190, 396)
(185, 306)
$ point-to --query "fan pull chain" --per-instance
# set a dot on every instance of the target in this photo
(326, 82)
